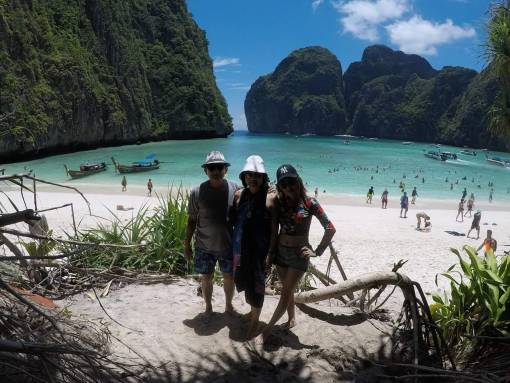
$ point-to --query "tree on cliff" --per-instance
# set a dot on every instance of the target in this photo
(498, 49)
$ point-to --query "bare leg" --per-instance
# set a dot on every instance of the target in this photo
(228, 288)
(292, 277)
(254, 322)
(207, 289)
(291, 312)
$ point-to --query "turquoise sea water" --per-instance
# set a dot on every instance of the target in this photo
(316, 158)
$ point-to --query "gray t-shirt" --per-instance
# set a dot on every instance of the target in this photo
(209, 207)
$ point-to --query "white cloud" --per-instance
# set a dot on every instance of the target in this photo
(224, 61)
(316, 4)
(362, 17)
(420, 36)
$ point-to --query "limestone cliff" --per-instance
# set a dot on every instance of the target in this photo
(303, 95)
(388, 94)
(87, 73)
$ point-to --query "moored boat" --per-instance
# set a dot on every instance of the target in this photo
(145, 165)
(449, 155)
(498, 161)
(407, 143)
(468, 152)
(435, 155)
(86, 169)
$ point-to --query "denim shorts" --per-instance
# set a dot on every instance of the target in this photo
(205, 262)
(291, 257)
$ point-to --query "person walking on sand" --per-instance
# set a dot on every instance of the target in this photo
(404, 205)
(384, 199)
(414, 194)
(208, 212)
(489, 244)
(123, 183)
(460, 211)
(149, 187)
(294, 211)
(476, 224)
(426, 220)
(370, 194)
(470, 204)
(253, 211)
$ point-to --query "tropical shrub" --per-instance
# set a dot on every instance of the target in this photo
(479, 300)
(159, 232)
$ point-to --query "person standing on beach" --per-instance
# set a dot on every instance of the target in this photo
(124, 183)
(294, 211)
(404, 205)
(384, 199)
(414, 194)
(370, 194)
(460, 211)
(149, 187)
(316, 192)
(253, 208)
(470, 204)
(476, 224)
(208, 212)
(489, 244)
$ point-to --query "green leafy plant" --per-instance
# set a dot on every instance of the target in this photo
(39, 248)
(479, 300)
(160, 231)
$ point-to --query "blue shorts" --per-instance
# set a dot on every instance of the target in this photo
(205, 262)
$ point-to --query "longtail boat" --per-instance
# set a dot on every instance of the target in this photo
(148, 163)
(86, 169)
(498, 161)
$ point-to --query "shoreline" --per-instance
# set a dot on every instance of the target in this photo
(336, 199)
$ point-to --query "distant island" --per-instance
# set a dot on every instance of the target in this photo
(77, 75)
(388, 94)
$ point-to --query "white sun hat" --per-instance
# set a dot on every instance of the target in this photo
(255, 164)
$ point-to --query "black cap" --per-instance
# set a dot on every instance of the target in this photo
(286, 171)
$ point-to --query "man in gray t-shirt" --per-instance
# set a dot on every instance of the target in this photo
(208, 209)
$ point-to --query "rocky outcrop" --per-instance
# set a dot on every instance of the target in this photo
(94, 73)
(303, 95)
(388, 94)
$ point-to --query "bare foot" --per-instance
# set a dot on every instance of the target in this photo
(229, 309)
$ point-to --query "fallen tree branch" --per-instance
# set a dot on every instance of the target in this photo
(48, 238)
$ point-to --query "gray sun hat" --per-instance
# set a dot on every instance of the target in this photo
(215, 157)
(255, 164)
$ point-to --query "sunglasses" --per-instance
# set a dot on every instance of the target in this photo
(287, 182)
(214, 167)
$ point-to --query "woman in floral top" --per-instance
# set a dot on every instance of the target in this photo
(294, 212)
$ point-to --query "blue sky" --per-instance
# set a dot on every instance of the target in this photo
(248, 38)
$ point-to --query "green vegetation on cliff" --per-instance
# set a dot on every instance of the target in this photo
(388, 94)
(78, 73)
(303, 95)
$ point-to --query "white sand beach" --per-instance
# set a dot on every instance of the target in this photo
(165, 321)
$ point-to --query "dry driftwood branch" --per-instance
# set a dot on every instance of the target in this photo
(19, 216)
(8, 288)
(72, 242)
(365, 281)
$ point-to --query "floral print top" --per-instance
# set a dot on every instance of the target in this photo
(297, 221)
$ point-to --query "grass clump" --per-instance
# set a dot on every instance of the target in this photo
(159, 232)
